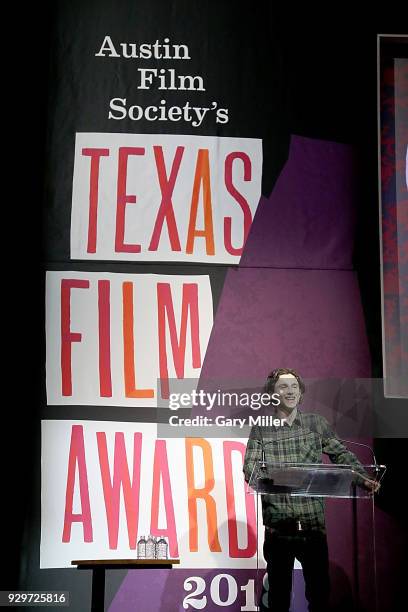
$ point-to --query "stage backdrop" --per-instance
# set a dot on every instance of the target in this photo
(168, 121)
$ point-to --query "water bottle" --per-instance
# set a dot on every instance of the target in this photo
(162, 549)
(150, 548)
(141, 548)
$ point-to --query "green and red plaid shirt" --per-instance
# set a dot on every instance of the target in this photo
(303, 442)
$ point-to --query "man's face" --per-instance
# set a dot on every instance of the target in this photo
(288, 388)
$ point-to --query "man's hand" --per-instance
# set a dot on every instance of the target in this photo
(371, 485)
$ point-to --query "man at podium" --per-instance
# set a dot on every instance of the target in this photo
(295, 526)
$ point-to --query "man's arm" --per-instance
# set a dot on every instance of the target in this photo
(339, 453)
(253, 452)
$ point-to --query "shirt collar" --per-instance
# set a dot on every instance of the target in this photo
(291, 418)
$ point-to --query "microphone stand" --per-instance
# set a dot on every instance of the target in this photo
(355, 531)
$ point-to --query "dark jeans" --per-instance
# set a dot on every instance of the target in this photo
(310, 548)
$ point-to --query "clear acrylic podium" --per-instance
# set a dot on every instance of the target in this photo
(311, 479)
(317, 480)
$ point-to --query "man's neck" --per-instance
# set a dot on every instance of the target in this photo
(288, 417)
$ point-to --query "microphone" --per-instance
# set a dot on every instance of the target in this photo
(376, 468)
(263, 445)
(263, 458)
(365, 446)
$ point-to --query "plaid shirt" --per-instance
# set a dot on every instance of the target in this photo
(303, 442)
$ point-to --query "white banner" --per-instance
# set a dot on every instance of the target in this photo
(104, 484)
(160, 197)
(110, 336)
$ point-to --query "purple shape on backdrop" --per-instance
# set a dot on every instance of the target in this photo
(163, 590)
(140, 590)
(302, 310)
(310, 316)
(310, 320)
(309, 219)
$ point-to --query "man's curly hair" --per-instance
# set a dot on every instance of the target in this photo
(272, 379)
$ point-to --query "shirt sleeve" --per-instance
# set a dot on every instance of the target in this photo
(339, 453)
(253, 452)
